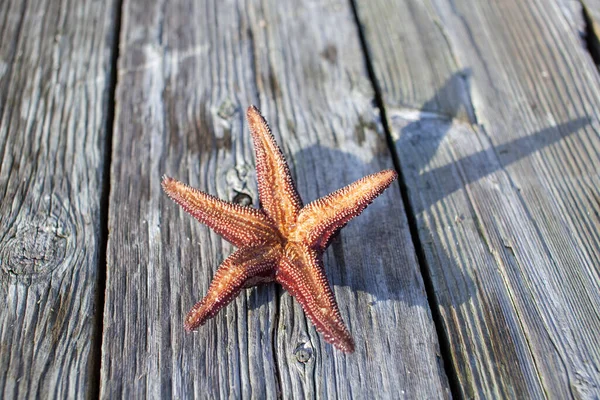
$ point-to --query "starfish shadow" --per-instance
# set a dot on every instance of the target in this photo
(424, 135)
(419, 142)
(479, 165)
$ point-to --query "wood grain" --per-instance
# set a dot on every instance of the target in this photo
(505, 200)
(187, 70)
(55, 62)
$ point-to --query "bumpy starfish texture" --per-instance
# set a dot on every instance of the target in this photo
(282, 241)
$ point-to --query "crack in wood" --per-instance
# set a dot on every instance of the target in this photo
(443, 339)
(591, 34)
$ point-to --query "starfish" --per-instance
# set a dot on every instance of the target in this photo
(281, 241)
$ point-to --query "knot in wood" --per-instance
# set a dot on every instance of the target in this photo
(242, 199)
(238, 180)
(303, 353)
(227, 109)
(35, 249)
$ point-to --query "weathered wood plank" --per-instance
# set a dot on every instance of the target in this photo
(506, 199)
(55, 62)
(186, 73)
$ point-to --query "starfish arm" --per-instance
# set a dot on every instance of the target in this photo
(301, 273)
(246, 267)
(278, 195)
(319, 220)
(241, 226)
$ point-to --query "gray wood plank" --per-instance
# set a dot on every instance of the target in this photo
(506, 200)
(186, 73)
(55, 63)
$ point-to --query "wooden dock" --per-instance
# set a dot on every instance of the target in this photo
(477, 275)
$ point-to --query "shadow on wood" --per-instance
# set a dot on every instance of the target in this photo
(429, 131)
(421, 134)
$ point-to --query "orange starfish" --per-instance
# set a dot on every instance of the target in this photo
(281, 241)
